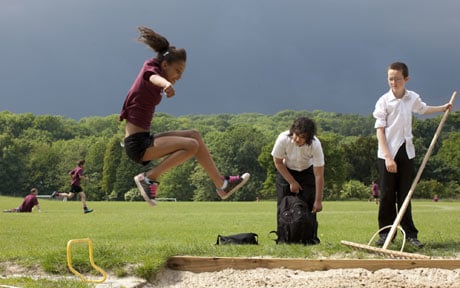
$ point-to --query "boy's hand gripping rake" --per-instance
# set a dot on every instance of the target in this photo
(400, 254)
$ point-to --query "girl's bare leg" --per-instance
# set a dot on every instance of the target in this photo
(179, 146)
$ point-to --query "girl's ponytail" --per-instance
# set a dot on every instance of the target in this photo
(154, 40)
(160, 44)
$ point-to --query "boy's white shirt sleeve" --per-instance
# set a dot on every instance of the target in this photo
(380, 114)
(419, 106)
(279, 149)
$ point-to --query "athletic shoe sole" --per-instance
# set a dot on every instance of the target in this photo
(245, 178)
(144, 195)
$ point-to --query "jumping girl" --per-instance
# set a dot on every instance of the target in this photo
(154, 81)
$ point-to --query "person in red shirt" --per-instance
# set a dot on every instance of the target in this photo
(29, 202)
(155, 81)
(75, 186)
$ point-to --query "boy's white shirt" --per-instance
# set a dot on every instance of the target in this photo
(295, 157)
(395, 115)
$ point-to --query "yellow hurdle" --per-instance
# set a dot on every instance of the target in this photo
(91, 259)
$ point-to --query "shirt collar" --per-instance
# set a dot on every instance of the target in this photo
(393, 97)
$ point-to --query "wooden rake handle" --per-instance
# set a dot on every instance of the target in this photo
(406, 202)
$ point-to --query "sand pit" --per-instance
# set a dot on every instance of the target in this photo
(274, 277)
(262, 277)
(224, 272)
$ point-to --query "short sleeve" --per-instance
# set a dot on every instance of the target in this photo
(380, 114)
(419, 106)
(279, 149)
(149, 70)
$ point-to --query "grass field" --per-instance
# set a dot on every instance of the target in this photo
(132, 233)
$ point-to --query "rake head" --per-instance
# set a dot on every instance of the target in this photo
(384, 252)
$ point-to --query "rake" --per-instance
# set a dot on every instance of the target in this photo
(400, 254)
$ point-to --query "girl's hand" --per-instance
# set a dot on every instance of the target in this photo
(169, 90)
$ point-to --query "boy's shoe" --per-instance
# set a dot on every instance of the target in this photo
(53, 195)
(382, 239)
(88, 211)
(232, 183)
(148, 191)
(415, 242)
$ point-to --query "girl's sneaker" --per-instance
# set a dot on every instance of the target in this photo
(148, 191)
(232, 183)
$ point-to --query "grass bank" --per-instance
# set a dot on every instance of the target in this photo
(131, 234)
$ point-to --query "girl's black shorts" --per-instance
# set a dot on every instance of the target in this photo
(136, 144)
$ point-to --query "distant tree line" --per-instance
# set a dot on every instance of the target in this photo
(40, 150)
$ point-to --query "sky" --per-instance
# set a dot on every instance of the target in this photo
(78, 58)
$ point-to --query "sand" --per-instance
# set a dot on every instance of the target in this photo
(262, 277)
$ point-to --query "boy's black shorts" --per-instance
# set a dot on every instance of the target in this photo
(75, 189)
(136, 144)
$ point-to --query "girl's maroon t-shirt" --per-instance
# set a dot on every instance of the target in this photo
(143, 96)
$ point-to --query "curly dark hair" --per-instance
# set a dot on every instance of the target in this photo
(304, 126)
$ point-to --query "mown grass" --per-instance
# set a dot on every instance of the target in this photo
(131, 234)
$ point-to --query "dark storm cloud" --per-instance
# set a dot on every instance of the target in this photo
(79, 58)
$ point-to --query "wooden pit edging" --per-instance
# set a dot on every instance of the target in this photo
(213, 264)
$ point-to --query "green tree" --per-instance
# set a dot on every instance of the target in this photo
(112, 157)
(446, 163)
(176, 183)
(41, 168)
(235, 151)
(336, 168)
(354, 189)
(266, 160)
(361, 156)
(426, 189)
(125, 171)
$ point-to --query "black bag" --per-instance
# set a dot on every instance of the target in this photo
(296, 224)
(242, 238)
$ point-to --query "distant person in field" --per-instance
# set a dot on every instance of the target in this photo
(374, 192)
(76, 176)
(299, 161)
(28, 203)
(155, 81)
(393, 124)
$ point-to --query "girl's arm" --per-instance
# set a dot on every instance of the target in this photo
(161, 82)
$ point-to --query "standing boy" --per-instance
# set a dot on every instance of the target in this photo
(76, 176)
(393, 114)
(299, 161)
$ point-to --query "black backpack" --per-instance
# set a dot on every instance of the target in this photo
(296, 225)
(242, 238)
